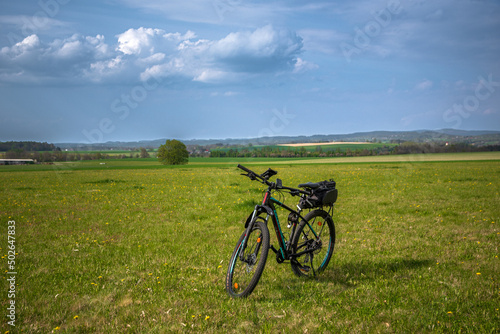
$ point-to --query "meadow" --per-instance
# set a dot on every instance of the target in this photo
(144, 248)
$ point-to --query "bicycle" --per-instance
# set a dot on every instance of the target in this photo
(309, 246)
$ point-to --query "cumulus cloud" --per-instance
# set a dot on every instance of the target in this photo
(21, 48)
(263, 49)
(134, 41)
(138, 54)
(31, 60)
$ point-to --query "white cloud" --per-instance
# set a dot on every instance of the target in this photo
(175, 66)
(212, 76)
(424, 85)
(18, 49)
(153, 59)
(263, 42)
(70, 49)
(103, 69)
(304, 66)
(178, 37)
(263, 50)
(141, 53)
(102, 49)
(197, 46)
(134, 41)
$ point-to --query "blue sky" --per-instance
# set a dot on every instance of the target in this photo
(97, 71)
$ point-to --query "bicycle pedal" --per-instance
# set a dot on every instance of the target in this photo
(305, 268)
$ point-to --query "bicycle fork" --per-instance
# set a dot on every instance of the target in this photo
(244, 243)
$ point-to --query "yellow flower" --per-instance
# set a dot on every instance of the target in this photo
(75, 317)
(207, 317)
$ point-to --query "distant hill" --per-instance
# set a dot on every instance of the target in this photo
(444, 135)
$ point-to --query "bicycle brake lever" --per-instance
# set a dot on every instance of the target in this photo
(251, 176)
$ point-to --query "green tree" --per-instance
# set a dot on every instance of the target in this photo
(144, 153)
(173, 152)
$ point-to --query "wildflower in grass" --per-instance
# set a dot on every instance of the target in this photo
(75, 317)
(478, 274)
(207, 317)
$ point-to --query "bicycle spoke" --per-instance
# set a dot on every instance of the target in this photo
(313, 245)
(248, 261)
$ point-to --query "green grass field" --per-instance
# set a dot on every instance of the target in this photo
(142, 248)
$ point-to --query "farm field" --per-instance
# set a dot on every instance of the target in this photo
(323, 144)
(310, 147)
(144, 248)
(152, 163)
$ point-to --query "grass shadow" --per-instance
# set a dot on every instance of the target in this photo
(352, 273)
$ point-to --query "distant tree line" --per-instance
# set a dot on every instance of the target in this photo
(403, 148)
(419, 148)
(29, 146)
(59, 156)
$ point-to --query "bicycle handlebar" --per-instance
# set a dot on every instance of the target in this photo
(245, 169)
(264, 179)
(252, 175)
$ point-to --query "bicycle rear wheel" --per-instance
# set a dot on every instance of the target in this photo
(247, 263)
(314, 241)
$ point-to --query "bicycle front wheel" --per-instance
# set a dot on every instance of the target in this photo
(313, 244)
(247, 263)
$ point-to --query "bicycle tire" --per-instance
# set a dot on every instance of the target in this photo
(243, 275)
(310, 264)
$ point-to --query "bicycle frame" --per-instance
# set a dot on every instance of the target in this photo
(268, 206)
